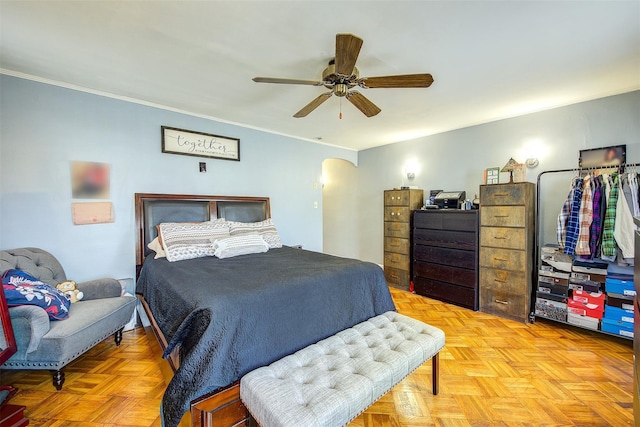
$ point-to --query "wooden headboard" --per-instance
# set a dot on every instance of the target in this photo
(153, 209)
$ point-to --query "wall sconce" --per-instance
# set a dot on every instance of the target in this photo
(531, 162)
(410, 169)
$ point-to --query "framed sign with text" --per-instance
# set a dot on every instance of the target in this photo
(189, 143)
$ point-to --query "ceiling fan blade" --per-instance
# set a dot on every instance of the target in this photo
(363, 104)
(287, 81)
(406, 80)
(347, 50)
(313, 105)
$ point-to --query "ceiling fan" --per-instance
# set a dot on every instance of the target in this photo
(342, 75)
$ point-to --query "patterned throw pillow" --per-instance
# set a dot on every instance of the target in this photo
(265, 228)
(187, 240)
(240, 245)
(21, 288)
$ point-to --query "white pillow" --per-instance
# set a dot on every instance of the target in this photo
(187, 240)
(265, 228)
(239, 245)
(156, 247)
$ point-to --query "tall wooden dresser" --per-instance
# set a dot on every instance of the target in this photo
(445, 255)
(507, 216)
(398, 208)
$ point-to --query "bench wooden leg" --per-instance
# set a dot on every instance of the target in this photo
(435, 372)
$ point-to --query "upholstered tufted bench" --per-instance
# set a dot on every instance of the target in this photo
(331, 382)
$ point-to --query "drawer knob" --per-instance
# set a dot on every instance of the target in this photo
(501, 194)
(499, 281)
(499, 259)
(501, 216)
(499, 237)
(499, 301)
(392, 213)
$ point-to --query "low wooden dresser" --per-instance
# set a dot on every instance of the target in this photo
(507, 216)
(445, 256)
(398, 207)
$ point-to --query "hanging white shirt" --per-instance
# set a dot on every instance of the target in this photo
(624, 227)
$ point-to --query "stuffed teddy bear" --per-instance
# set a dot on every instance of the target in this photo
(70, 289)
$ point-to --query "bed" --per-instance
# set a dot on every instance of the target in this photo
(217, 319)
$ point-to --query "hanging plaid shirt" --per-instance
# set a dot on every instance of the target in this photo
(585, 214)
(561, 225)
(596, 219)
(604, 195)
(608, 242)
(573, 223)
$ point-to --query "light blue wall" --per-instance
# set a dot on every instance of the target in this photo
(456, 160)
(44, 127)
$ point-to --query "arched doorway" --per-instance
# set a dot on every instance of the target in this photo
(339, 200)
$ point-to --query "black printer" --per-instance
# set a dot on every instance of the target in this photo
(450, 199)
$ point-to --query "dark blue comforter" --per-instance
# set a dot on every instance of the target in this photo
(233, 315)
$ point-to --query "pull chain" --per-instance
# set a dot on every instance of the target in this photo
(340, 109)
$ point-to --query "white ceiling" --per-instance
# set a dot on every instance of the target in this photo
(490, 59)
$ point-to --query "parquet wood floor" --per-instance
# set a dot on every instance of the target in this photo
(493, 372)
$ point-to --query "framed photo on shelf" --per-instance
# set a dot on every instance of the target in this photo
(491, 176)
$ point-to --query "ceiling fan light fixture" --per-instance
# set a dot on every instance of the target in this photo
(341, 89)
(341, 76)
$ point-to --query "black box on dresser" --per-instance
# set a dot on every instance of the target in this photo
(445, 256)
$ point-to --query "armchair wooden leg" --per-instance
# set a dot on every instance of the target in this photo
(118, 336)
(58, 379)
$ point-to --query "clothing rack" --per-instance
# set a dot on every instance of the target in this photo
(536, 261)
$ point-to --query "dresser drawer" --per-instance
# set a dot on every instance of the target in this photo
(400, 261)
(396, 198)
(502, 194)
(445, 273)
(506, 259)
(445, 238)
(397, 213)
(397, 277)
(503, 304)
(454, 257)
(504, 280)
(447, 292)
(397, 245)
(503, 237)
(397, 229)
(503, 216)
(446, 220)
